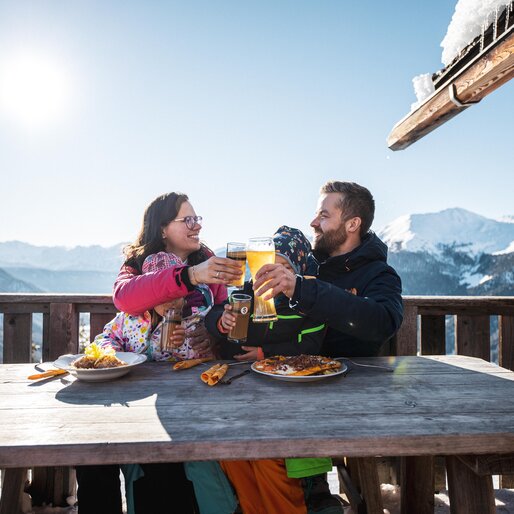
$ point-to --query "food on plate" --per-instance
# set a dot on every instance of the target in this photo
(298, 365)
(96, 357)
(190, 363)
(214, 374)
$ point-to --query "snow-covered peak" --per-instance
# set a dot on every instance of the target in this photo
(457, 227)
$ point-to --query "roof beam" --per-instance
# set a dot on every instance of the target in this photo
(487, 72)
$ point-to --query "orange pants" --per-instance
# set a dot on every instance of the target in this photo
(263, 487)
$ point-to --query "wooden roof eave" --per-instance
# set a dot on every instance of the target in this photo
(489, 70)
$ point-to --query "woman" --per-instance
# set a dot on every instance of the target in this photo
(170, 225)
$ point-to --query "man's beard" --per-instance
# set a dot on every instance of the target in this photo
(328, 242)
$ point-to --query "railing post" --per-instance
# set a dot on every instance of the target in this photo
(433, 335)
(407, 337)
(97, 321)
(472, 336)
(63, 331)
(17, 338)
(506, 360)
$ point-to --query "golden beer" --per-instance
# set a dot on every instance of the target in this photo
(261, 251)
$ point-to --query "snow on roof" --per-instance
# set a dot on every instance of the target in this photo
(466, 24)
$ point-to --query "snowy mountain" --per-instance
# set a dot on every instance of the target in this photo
(457, 228)
(56, 269)
(452, 252)
(10, 284)
(15, 254)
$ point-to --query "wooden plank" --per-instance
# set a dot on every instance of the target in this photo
(439, 474)
(468, 492)
(12, 490)
(97, 308)
(492, 464)
(23, 308)
(417, 485)
(63, 331)
(17, 338)
(506, 341)
(484, 75)
(446, 305)
(472, 336)
(44, 298)
(406, 342)
(52, 485)
(97, 323)
(370, 486)
(433, 335)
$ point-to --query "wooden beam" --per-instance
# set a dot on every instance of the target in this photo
(491, 69)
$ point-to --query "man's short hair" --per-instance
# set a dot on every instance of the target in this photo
(356, 201)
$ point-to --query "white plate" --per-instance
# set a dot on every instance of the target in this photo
(100, 375)
(308, 378)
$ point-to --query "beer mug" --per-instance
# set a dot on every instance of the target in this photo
(237, 252)
(261, 251)
(241, 304)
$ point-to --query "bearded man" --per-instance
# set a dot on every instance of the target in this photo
(352, 288)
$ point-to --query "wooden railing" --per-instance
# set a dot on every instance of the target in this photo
(423, 331)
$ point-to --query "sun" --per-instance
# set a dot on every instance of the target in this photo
(34, 90)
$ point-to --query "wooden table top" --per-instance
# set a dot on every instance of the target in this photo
(429, 406)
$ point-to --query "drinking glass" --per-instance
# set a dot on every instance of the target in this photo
(172, 317)
(241, 309)
(261, 251)
(237, 252)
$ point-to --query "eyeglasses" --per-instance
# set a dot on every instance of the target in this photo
(190, 221)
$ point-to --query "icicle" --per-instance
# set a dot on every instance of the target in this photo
(495, 23)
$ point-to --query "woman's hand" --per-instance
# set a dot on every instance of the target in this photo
(200, 340)
(228, 320)
(250, 355)
(215, 270)
(274, 279)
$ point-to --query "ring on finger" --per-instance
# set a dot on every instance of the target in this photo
(218, 274)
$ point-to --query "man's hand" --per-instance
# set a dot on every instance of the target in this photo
(250, 355)
(274, 279)
(200, 340)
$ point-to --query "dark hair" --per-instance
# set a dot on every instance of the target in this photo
(356, 201)
(157, 215)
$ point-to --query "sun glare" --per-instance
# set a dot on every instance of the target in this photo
(34, 91)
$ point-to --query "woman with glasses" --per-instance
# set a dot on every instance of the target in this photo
(170, 232)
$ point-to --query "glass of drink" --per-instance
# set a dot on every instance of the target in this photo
(237, 251)
(261, 251)
(171, 319)
(241, 309)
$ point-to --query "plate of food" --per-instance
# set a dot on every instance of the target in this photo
(99, 364)
(299, 368)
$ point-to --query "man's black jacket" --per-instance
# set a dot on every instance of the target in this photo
(358, 296)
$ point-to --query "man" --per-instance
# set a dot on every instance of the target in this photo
(354, 291)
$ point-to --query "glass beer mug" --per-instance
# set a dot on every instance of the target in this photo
(261, 251)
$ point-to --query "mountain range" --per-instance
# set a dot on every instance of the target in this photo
(451, 252)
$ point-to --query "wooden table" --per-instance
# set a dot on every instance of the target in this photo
(438, 405)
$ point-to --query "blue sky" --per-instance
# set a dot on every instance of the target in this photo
(246, 106)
